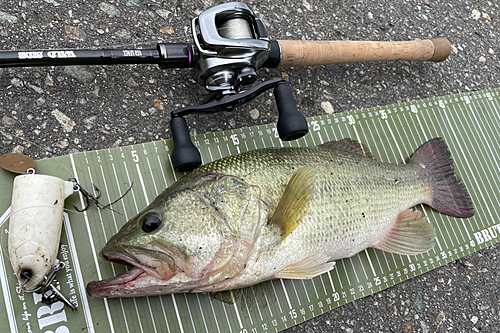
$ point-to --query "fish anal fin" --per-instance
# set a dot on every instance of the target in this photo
(411, 234)
(292, 206)
(350, 146)
(306, 269)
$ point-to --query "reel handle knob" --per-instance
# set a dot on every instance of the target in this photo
(185, 156)
(291, 123)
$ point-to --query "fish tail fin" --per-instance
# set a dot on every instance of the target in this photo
(448, 194)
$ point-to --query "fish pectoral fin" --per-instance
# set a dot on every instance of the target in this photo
(226, 296)
(306, 269)
(292, 206)
(410, 235)
(252, 296)
(350, 146)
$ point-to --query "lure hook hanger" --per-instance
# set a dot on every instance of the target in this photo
(230, 45)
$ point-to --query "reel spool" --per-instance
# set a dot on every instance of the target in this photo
(232, 44)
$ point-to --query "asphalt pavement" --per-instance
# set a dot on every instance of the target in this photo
(111, 106)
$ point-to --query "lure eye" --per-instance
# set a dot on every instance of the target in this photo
(151, 223)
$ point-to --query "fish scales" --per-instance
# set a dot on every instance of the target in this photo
(281, 213)
(355, 201)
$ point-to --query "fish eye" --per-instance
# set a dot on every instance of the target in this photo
(151, 222)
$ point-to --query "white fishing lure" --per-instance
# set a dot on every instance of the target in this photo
(35, 226)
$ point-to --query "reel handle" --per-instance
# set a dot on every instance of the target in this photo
(296, 53)
(185, 156)
(291, 123)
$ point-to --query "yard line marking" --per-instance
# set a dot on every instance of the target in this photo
(276, 296)
(202, 314)
(139, 173)
(354, 269)
(91, 239)
(176, 309)
(257, 304)
(305, 289)
(495, 180)
(295, 290)
(213, 312)
(237, 311)
(172, 167)
(151, 173)
(227, 318)
(320, 138)
(476, 169)
(370, 262)
(338, 277)
(162, 172)
(116, 230)
(248, 311)
(210, 152)
(485, 140)
(468, 165)
(346, 274)
(220, 153)
(287, 299)
(189, 312)
(132, 190)
(314, 287)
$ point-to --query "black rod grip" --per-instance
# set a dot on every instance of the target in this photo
(291, 123)
(185, 156)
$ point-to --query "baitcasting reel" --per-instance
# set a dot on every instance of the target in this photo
(231, 44)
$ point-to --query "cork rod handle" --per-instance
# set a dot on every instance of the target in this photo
(295, 53)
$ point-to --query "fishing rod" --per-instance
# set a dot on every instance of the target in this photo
(229, 46)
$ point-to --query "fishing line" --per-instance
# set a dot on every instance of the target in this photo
(236, 28)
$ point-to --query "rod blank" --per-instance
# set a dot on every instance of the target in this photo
(77, 57)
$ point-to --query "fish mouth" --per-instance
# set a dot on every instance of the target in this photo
(117, 286)
(135, 281)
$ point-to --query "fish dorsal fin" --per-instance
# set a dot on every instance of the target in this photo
(292, 206)
(348, 145)
(410, 235)
(308, 268)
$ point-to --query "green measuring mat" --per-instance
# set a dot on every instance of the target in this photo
(469, 123)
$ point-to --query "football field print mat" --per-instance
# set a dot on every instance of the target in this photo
(469, 123)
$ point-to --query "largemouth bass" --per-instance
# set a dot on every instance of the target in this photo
(281, 213)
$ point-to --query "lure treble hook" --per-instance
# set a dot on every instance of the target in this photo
(88, 196)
